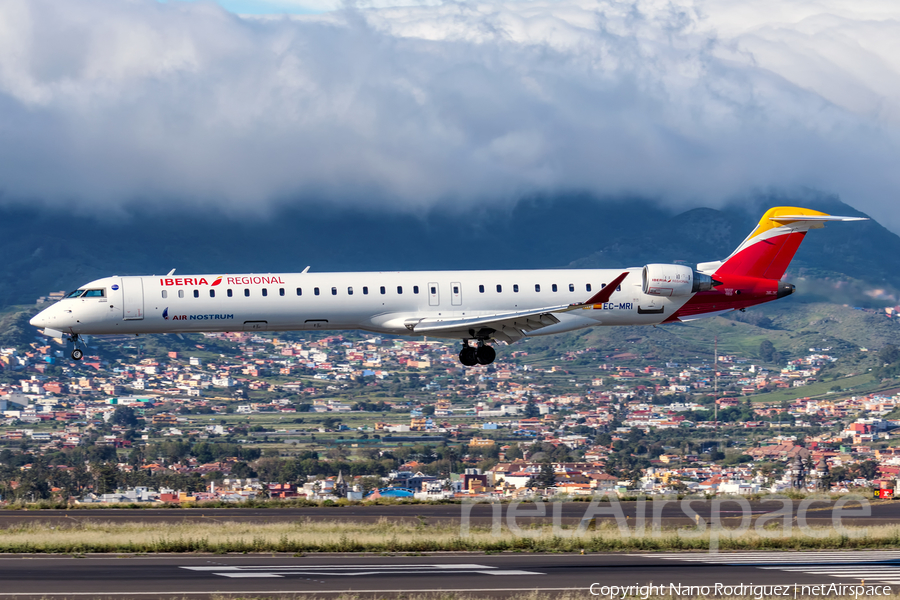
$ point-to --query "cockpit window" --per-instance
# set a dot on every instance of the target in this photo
(95, 294)
(75, 294)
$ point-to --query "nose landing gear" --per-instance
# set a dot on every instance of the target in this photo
(482, 354)
(77, 353)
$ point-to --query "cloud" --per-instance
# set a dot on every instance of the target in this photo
(110, 103)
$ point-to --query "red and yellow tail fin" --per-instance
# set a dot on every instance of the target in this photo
(768, 250)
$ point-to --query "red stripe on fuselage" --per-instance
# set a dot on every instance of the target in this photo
(734, 293)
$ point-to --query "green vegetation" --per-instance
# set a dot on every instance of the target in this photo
(857, 383)
(218, 536)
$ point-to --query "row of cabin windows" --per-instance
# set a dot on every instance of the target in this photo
(382, 289)
(316, 291)
(537, 288)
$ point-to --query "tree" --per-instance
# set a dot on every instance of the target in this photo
(547, 476)
(767, 351)
(889, 354)
(242, 470)
(867, 469)
(106, 477)
(838, 474)
(124, 416)
(531, 409)
(514, 452)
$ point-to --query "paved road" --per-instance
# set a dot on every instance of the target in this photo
(473, 574)
(671, 514)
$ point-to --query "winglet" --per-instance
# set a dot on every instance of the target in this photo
(170, 273)
(306, 270)
(604, 294)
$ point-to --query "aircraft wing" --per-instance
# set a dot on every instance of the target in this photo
(508, 326)
(525, 321)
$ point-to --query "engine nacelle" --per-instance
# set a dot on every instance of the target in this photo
(674, 280)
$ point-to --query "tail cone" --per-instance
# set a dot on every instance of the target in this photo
(785, 289)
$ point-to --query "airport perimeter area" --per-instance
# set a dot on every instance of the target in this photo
(689, 548)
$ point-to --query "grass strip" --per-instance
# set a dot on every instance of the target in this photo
(307, 536)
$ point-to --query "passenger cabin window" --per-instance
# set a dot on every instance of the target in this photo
(165, 294)
(571, 287)
(415, 289)
(618, 288)
(553, 287)
(299, 291)
(334, 291)
(196, 293)
(383, 291)
(265, 292)
(365, 290)
(499, 288)
(247, 292)
(212, 293)
(181, 293)
(95, 294)
(481, 288)
(349, 291)
(516, 287)
(587, 287)
(230, 293)
(281, 291)
(537, 287)
(399, 289)
(75, 294)
(316, 291)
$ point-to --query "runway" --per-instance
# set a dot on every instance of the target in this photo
(672, 513)
(470, 574)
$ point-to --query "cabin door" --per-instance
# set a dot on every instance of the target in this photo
(434, 295)
(132, 298)
(456, 293)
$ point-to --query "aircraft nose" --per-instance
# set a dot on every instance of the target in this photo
(42, 319)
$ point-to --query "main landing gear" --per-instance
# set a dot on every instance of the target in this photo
(482, 354)
(77, 353)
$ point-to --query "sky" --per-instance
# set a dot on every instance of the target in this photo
(240, 107)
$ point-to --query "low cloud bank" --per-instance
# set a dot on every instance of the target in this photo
(106, 104)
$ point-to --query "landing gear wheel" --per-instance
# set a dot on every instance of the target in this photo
(485, 355)
(467, 356)
(77, 354)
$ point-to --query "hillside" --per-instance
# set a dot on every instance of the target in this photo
(792, 327)
(45, 251)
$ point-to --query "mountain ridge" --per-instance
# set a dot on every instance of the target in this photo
(538, 232)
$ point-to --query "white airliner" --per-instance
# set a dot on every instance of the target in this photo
(473, 306)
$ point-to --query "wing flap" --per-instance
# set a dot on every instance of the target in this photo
(528, 320)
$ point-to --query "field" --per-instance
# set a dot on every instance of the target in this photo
(307, 536)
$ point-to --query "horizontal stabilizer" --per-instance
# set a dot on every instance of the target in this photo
(783, 218)
(768, 250)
